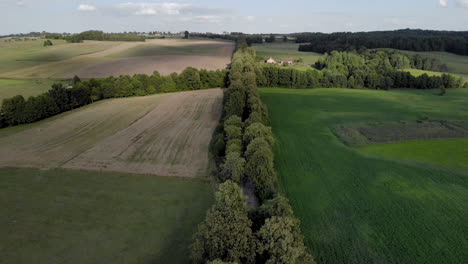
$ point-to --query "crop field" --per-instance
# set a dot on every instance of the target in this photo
(166, 135)
(63, 216)
(285, 50)
(372, 204)
(26, 88)
(450, 153)
(95, 59)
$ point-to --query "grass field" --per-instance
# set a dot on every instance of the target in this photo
(361, 208)
(62, 216)
(286, 50)
(416, 72)
(166, 135)
(26, 88)
(451, 153)
(19, 55)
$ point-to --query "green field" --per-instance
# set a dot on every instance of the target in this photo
(360, 208)
(451, 153)
(416, 72)
(285, 50)
(62, 216)
(19, 55)
(26, 88)
(159, 50)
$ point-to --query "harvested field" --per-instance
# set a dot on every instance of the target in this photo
(166, 135)
(355, 135)
(94, 59)
(147, 65)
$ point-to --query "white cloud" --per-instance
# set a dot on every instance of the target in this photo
(462, 3)
(250, 18)
(20, 3)
(145, 9)
(443, 3)
(86, 8)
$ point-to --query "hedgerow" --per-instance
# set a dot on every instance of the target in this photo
(249, 160)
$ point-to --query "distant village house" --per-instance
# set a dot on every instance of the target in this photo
(287, 60)
(270, 61)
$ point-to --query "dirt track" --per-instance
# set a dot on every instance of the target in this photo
(165, 135)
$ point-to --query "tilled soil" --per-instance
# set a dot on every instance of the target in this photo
(166, 135)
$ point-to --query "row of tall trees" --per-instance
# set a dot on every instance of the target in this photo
(232, 232)
(17, 110)
(415, 40)
(101, 36)
(370, 69)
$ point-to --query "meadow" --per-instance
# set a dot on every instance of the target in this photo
(26, 88)
(357, 205)
(285, 50)
(64, 216)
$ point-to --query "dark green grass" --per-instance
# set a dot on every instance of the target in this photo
(26, 88)
(62, 216)
(358, 208)
(156, 50)
(452, 153)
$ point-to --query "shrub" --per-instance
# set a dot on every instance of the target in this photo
(234, 121)
(280, 241)
(256, 130)
(233, 132)
(234, 145)
(260, 170)
(233, 167)
(255, 145)
(226, 233)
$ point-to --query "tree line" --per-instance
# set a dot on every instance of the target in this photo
(18, 110)
(231, 231)
(368, 69)
(100, 36)
(415, 40)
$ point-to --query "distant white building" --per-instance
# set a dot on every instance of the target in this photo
(287, 60)
(270, 61)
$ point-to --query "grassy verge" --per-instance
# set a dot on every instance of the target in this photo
(64, 216)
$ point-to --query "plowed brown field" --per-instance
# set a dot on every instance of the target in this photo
(165, 135)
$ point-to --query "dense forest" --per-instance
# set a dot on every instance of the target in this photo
(368, 69)
(101, 36)
(18, 110)
(406, 39)
(232, 232)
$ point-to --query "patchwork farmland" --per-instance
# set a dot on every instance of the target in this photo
(161, 147)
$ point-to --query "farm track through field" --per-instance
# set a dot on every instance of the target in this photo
(165, 135)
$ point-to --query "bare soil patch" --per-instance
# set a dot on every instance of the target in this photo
(166, 135)
(147, 65)
(356, 135)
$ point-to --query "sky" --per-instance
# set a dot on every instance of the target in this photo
(249, 16)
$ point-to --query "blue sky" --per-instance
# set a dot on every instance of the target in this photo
(250, 16)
